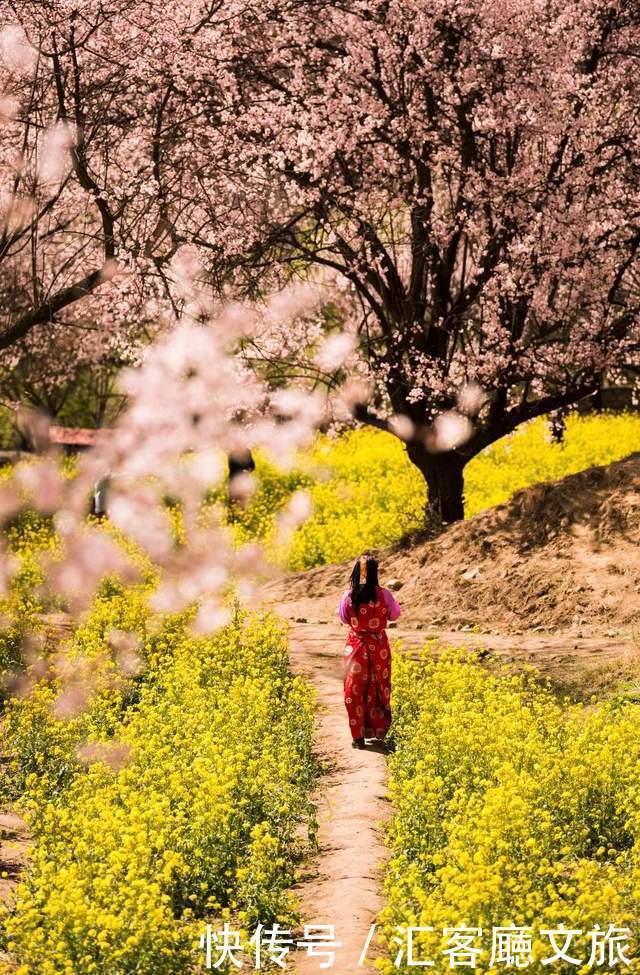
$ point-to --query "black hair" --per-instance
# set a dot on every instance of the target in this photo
(366, 592)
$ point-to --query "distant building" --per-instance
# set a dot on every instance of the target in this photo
(73, 440)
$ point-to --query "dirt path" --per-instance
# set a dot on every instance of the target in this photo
(572, 658)
(342, 886)
(14, 843)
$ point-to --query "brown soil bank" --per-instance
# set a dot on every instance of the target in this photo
(561, 555)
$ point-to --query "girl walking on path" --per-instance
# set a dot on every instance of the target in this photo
(366, 608)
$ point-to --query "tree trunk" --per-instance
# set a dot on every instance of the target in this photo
(443, 473)
(596, 400)
(241, 462)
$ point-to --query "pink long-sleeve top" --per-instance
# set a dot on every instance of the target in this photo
(393, 609)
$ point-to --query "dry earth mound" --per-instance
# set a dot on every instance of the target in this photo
(560, 555)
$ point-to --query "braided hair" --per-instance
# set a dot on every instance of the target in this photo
(364, 581)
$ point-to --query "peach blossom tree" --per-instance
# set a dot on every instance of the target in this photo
(470, 171)
(465, 172)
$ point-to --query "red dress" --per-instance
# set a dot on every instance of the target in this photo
(367, 670)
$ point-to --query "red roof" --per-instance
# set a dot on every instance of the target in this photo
(75, 436)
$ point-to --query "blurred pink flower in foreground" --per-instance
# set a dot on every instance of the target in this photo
(55, 161)
(449, 431)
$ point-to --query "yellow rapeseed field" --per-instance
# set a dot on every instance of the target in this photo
(196, 818)
(510, 809)
(509, 806)
(367, 494)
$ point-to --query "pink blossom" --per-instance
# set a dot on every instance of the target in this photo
(55, 161)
